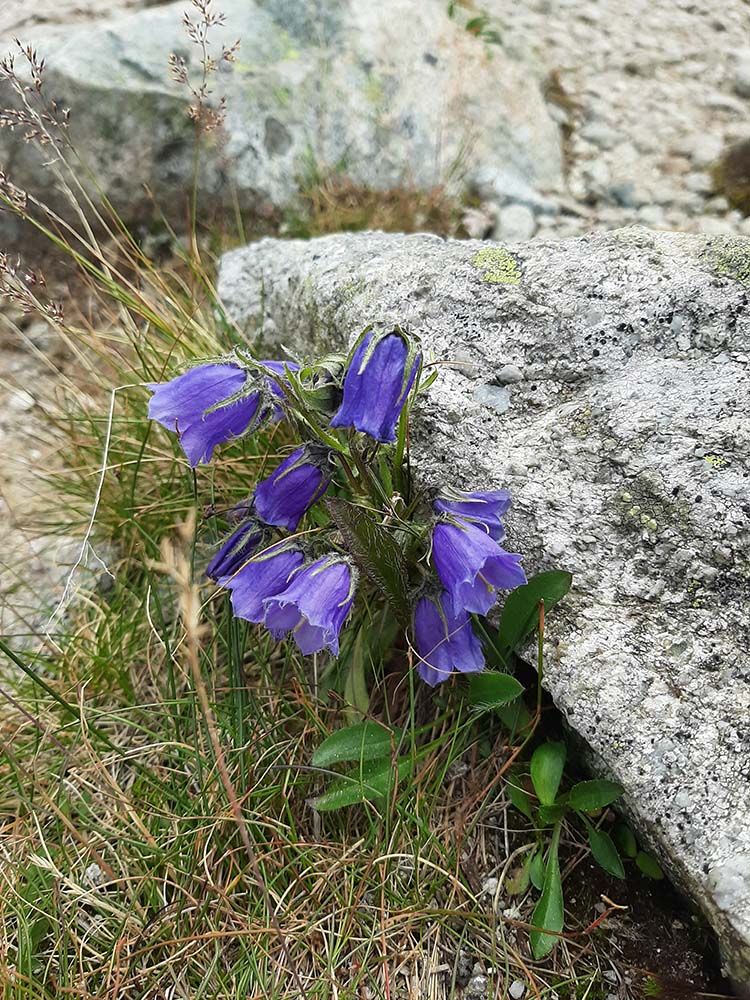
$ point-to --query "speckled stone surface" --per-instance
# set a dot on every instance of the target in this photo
(624, 436)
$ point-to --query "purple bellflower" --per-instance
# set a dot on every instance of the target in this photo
(484, 509)
(445, 640)
(243, 543)
(314, 605)
(212, 403)
(472, 567)
(298, 483)
(376, 385)
(261, 577)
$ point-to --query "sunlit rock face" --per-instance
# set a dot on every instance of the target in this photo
(606, 382)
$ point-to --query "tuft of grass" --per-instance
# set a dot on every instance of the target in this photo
(333, 203)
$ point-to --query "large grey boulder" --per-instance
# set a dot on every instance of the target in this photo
(389, 93)
(606, 381)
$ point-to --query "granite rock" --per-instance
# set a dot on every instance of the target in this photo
(627, 451)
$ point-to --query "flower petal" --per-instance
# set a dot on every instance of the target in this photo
(374, 395)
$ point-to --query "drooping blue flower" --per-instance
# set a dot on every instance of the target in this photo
(243, 543)
(314, 606)
(292, 488)
(445, 640)
(261, 577)
(484, 509)
(472, 567)
(185, 404)
(376, 385)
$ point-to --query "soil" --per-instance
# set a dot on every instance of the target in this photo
(658, 938)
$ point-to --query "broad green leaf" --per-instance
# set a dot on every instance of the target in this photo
(489, 690)
(375, 550)
(547, 764)
(549, 912)
(375, 780)
(551, 814)
(536, 870)
(519, 798)
(588, 796)
(624, 839)
(649, 866)
(521, 612)
(604, 852)
(364, 741)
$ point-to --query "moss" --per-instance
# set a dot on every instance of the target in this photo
(499, 266)
(731, 176)
(730, 257)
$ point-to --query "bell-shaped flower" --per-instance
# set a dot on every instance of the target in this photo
(485, 509)
(472, 567)
(445, 640)
(292, 488)
(212, 403)
(314, 606)
(380, 374)
(243, 543)
(262, 576)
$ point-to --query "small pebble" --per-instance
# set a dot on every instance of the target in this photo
(509, 374)
(517, 223)
(517, 989)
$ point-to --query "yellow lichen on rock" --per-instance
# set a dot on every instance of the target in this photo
(500, 267)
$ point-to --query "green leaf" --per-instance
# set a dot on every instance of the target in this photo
(649, 866)
(356, 695)
(588, 796)
(624, 839)
(364, 741)
(375, 780)
(519, 798)
(489, 690)
(536, 871)
(518, 882)
(549, 912)
(521, 612)
(547, 764)
(514, 716)
(475, 24)
(375, 550)
(551, 814)
(604, 852)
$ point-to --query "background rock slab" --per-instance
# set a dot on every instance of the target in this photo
(626, 444)
(389, 93)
